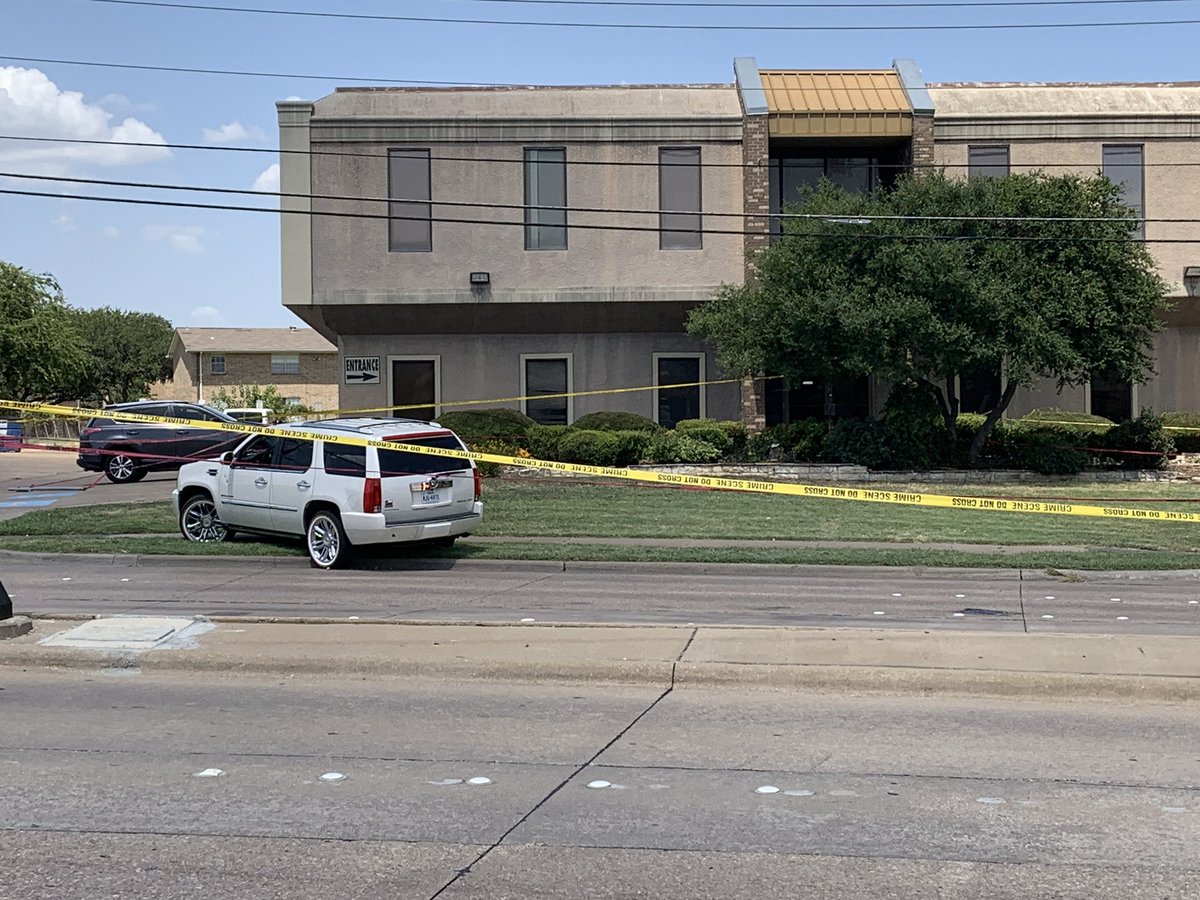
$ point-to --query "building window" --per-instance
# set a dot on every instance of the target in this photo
(1111, 396)
(987, 162)
(285, 363)
(545, 199)
(1123, 164)
(980, 389)
(410, 225)
(546, 375)
(679, 198)
(415, 385)
(675, 404)
(216, 364)
(292, 401)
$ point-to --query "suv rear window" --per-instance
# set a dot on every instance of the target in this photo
(398, 462)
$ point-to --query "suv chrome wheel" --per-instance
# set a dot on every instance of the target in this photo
(328, 547)
(199, 522)
(121, 469)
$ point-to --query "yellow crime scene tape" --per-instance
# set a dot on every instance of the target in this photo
(745, 485)
(524, 397)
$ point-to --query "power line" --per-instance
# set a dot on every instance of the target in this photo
(383, 154)
(855, 234)
(642, 26)
(604, 210)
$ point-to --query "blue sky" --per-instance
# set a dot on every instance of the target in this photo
(203, 267)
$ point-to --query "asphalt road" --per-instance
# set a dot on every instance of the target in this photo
(890, 797)
(1003, 599)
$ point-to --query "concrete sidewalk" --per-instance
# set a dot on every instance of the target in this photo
(847, 660)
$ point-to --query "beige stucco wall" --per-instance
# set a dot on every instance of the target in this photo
(488, 367)
(1171, 186)
(352, 263)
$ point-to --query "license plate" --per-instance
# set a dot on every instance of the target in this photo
(431, 498)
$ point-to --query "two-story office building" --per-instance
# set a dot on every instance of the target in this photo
(513, 242)
(500, 243)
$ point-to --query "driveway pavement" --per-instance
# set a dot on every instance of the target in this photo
(35, 479)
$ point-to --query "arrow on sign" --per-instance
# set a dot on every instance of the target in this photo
(362, 376)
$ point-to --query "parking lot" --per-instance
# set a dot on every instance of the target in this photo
(36, 479)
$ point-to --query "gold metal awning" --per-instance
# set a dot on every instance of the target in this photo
(869, 103)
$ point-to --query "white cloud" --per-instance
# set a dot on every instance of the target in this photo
(110, 231)
(31, 104)
(184, 238)
(206, 315)
(268, 179)
(64, 223)
(231, 132)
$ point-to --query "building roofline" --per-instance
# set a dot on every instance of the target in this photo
(506, 88)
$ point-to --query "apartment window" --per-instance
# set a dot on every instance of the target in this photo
(542, 377)
(216, 364)
(410, 225)
(285, 363)
(545, 199)
(679, 198)
(1123, 164)
(1111, 396)
(674, 404)
(987, 162)
(980, 389)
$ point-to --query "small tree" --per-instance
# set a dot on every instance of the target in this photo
(934, 279)
(250, 395)
(42, 353)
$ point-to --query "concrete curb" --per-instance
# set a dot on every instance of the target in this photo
(650, 673)
(133, 560)
(15, 626)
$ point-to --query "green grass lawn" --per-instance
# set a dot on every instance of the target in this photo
(569, 509)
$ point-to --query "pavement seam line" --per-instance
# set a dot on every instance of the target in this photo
(1021, 598)
(562, 784)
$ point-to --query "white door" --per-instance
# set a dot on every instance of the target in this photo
(246, 491)
(291, 485)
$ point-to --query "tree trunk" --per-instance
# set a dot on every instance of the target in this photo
(989, 423)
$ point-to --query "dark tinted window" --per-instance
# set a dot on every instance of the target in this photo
(345, 459)
(987, 162)
(1112, 396)
(258, 453)
(546, 376)
(295, 455)
(410, 224)
(396, 462)
(679, 198)
(197, 413)
(677, 404)
(1124, 167)
(545, 186)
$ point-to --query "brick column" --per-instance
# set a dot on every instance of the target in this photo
(921, 149)
(756, 203)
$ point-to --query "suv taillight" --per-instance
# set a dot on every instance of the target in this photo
(86, 431)
(478, 486)
(372, 495)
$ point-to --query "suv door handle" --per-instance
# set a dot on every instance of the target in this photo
(303, 485)
(261, 482)
(132, 431)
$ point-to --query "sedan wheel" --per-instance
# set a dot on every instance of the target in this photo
(199, 522)
(121, 469)
(328, 546)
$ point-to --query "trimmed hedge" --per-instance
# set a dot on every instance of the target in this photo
(706, 430)
(478, 425)
(680, 447)
(1145, 444)
(615, 421)
(1185, 441)
(589, 447)
(543, 440)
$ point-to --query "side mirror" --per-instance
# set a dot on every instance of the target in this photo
(226, 457)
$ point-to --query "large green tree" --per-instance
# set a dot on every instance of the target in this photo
(937, 278)
(42, 353)
(127, 352)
